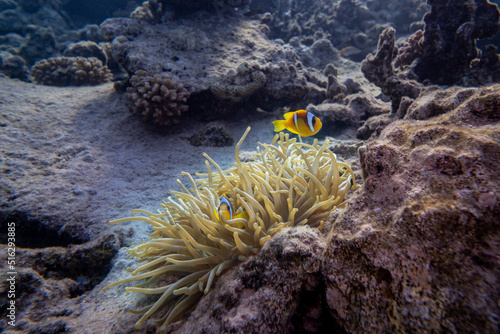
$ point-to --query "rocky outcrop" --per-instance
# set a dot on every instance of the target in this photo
(228, 62)
(379, 70)
(265, 294)
(50, 282)
(417, 248)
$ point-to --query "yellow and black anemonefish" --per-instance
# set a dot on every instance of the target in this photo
(224, 213)
(300, 122)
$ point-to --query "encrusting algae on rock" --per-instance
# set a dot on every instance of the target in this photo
(288, 184)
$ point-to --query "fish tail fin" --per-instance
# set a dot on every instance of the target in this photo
(243, 215)
(279, 125)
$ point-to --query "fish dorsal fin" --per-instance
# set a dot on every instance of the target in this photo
(289, 115)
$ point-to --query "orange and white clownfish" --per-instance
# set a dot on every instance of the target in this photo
(300, 122)
(225, 212)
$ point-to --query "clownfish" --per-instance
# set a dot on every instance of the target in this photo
(225, 211)
(300, 122)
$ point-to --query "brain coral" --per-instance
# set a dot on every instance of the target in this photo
(290, 183)
(70, 71)
(157, 96)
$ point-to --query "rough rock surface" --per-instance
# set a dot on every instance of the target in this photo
(55, 276)
(212, 135)
(418, 247)
(264, 294)
(351, 26)
(230, 60)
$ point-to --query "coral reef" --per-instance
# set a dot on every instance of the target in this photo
(86, 49)
(158, 97)
(40, 43)
(350, 26)
(35, 30)
(379, 70)
(13, 66)
(289, 184)
(74, 71)
(443, 53)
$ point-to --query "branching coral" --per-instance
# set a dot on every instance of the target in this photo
(158, 96)
(70, 71)
(288, 184)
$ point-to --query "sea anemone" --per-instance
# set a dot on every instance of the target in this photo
(289, 183)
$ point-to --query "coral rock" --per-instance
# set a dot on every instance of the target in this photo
(417, 248)
(269, 293)
(49, 280)
(13, 66)
(449, 41)
(86, 49)
(410, 51)
(227, 63)
(212, 135)
(379, 70)
(239, 86)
